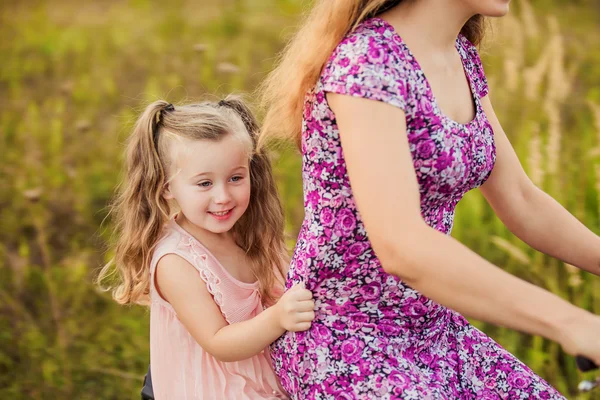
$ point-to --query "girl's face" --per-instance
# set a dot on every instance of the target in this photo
(211, 181)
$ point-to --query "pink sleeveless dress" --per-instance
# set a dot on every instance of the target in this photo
(181, 369)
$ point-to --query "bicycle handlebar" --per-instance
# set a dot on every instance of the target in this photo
(585, 364)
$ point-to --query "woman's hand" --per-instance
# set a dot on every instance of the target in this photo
(295, 309)
(581, 337)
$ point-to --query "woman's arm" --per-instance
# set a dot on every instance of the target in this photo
(381, 172)
(180, 285)
(531, 214)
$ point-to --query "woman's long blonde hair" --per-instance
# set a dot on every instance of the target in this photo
(141, 211)
(282, 93)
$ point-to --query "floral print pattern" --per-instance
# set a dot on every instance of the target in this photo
(374, 337)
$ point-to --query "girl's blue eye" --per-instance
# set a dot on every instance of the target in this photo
(204, 184)
(237, 178)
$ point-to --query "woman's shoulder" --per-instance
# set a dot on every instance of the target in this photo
(467, 47)
(374, 39)
(372, 48)
(375, 28)
(371, 62)
(473, 64)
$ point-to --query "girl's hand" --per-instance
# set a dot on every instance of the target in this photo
(295, 309)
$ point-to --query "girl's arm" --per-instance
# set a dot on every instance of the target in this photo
(180, 285)
(380, 168)
(532, 215)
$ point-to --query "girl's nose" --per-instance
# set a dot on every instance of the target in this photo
(222, 196)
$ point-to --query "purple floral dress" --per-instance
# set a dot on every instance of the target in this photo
(374, 337)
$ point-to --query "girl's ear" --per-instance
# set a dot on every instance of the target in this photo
(167, 192)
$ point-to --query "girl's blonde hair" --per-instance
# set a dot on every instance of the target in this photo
(141, 211)
(282, 93)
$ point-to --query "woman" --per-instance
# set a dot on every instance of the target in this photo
(396, 127)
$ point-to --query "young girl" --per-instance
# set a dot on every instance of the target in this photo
(210, 269)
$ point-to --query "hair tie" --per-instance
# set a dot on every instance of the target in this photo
(169, 107)
(158, 120)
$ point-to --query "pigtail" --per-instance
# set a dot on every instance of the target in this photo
(140, 209)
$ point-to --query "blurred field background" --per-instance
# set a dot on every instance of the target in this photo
(73, 76)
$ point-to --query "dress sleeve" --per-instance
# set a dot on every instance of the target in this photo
(364, 66)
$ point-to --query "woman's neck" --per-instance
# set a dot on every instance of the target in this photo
(431, 25)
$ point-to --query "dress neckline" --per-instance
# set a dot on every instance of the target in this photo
(180, 229)
(460, 49)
